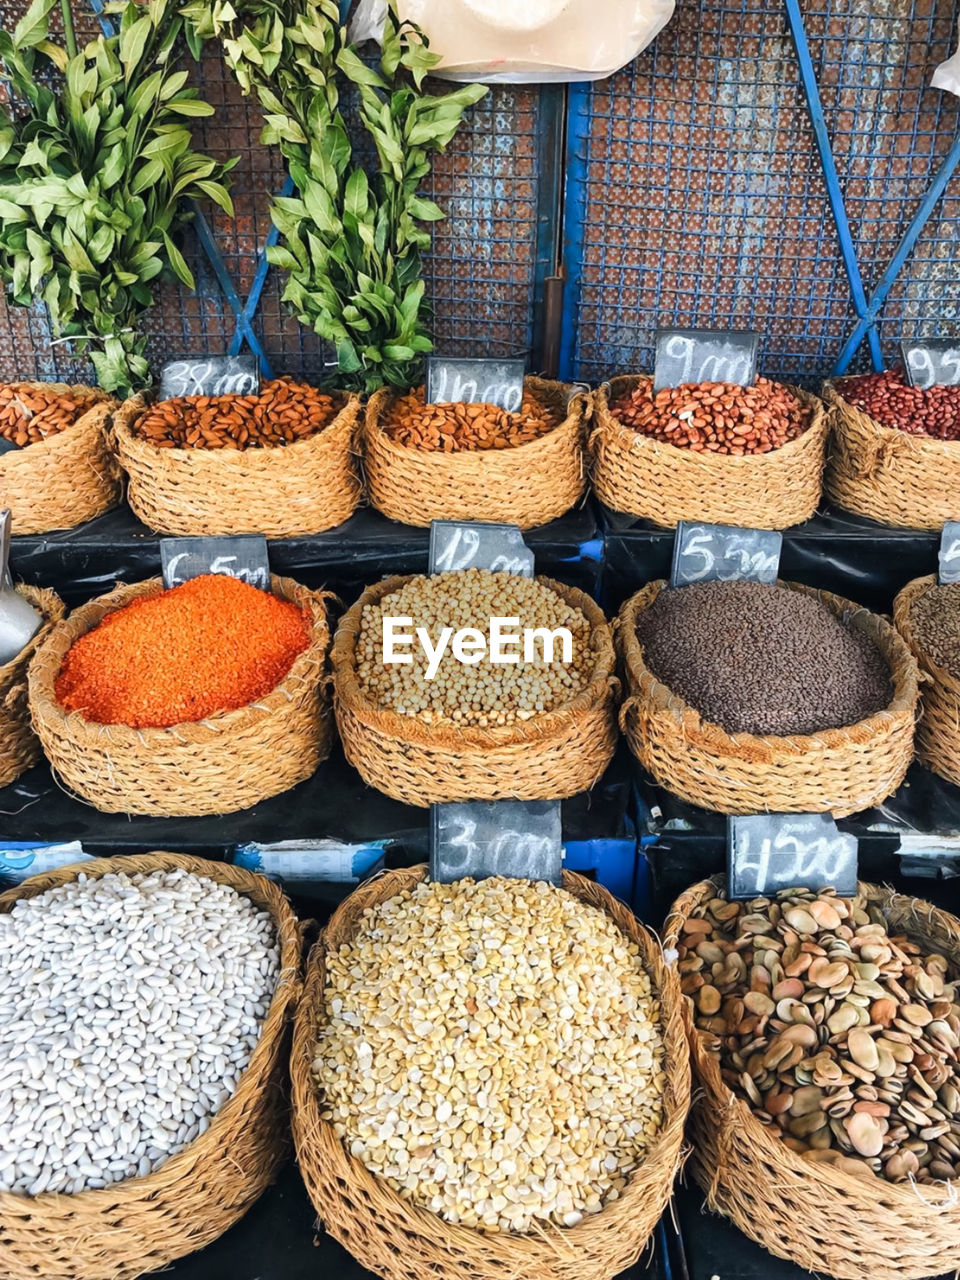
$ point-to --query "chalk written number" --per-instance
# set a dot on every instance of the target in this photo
(462, 549)
(450, 387)
(255, 576)
(737, 560)
(193, 378)
(932, 366)
(789, 860)
(515, 853)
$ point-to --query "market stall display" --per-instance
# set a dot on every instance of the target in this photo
(473, 461)
(525, 731)
(61, 471)
(151, 1113)
(19, 745)
(160, 702)
(824, 1036)
(281, 463)
(927, 615)
(399, 1205)
(896, 449)
(711, 451)
(817, 725)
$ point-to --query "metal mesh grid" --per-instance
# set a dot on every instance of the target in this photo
(705, 201)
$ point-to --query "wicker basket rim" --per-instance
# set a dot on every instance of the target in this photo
(920, 444)
(53, 610)
(46, 663)
(447, 737)
(774, 1149)
(639, 443)
(676, 1091)
(905, 680)
(266, 895)
(902, 609)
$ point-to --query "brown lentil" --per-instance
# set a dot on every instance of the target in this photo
(283, 413)
(889, 399)
(759, 658)
(842, 1037)
(715, 417)
(935, 616)
(28, 416)
(486, 693)
(452, 428)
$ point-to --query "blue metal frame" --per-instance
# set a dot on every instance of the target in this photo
(574, 214)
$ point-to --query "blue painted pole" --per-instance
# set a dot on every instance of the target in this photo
(834, 193)
(245, 319)
(904, 249)
(574, 213)
(209, 246)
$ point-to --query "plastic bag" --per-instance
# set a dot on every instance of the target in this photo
(525, 41)
(947, 75)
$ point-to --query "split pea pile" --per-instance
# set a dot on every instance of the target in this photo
(842, 1035)
(493, 1050)
(485, 693)
(28, 416)
(936, 624)
(715, 417)
(129, 1008)
(453, 428)
(283, 413)
(759, 658)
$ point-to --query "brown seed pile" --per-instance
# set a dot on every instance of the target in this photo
(936, 623)
(889, 399)
(454, 428)
(842, 1037)
(483, 694)
(283, 413)
(494, 1052)
(715, 417)
(759, 658)
(28, 416)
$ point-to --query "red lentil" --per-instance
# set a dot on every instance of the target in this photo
(283, 413)
(28, 416)
(888, 398)
(211, 645)
(454, 428)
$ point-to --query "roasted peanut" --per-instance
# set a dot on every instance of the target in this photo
(887, 398)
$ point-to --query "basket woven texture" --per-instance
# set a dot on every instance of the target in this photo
(68, 478)
(526, 486)
(644, 477)
(840, 771)
(400, 1241)
(938, 731)
(145, 1223)
(819, 1218)
(19, 745)
(227, 762)
(911, 482)
(300, 489)
(549, 757)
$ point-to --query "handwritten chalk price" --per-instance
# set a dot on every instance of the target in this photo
(949, 558)
(456, 546)
(767, 852)
(724, 553)
(704, 355)
(515, 838)
(211, 376)
(462, 381)
(932, 363)
(243, 556)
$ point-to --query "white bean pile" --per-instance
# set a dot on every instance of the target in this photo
(129, 1008)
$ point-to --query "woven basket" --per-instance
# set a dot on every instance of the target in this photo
(910, 482)
(19, 745)
(300, 489)
(526, 486)
(549, 757)
(644, 477)
(400, 1241)
(938, 731)
(68, 478)
(840, 771)
(146, 1223)
(819, 1218)
(227, 762)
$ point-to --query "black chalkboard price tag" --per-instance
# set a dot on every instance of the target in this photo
(211, 376)
(455, 381)
(242, 556)
(704, 355)
(724, 553)
(515, 838)
(767, 852)
(932, 362)
(456, 545)
(949, 558)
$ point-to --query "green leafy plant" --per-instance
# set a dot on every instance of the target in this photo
(96, 167)
(350, 243)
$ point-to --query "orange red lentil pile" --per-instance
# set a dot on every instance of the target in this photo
(29, 415)
(211, 645)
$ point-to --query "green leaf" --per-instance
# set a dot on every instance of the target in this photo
(347, 359)
(34, 26)
(190, 107)
(133, 42)
(178, 263)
